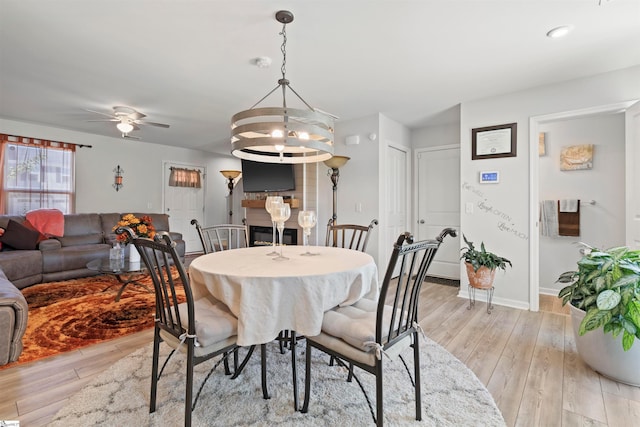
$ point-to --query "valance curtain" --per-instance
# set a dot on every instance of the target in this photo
(180, 177)
(36, 173)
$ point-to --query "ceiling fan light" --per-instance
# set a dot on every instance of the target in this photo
(124, 127)
(277, 134)
(303, 136)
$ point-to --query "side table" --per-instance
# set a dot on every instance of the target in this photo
(126, 272)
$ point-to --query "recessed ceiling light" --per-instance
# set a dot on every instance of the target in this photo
(262, 62)
(559, 31)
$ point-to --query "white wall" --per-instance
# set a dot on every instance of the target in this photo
(602, 224)
(435, 136)
(501, 211)
(142, 163)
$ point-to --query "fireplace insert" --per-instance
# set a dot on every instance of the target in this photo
(262, 236)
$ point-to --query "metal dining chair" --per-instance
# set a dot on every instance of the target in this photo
(199, 328)
(350, 236)
(222, 236)
(359, 335)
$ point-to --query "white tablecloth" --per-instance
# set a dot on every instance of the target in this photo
(268, 296)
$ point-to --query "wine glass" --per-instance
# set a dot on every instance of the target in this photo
(269, 204)
(281, 213)
(307, 220)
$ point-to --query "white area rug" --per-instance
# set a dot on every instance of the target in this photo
(452, 394)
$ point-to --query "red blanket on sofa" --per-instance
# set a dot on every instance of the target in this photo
(49, 222)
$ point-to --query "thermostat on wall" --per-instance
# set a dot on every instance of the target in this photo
(489, 177)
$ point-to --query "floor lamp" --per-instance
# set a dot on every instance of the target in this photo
(335, 163)
(230, 175)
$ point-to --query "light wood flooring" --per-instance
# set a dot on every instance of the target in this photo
(527, 361)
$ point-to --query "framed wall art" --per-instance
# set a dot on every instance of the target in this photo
(576, 157)
(494, 141)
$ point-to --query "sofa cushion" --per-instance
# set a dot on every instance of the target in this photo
(108, 221)
(73, 257)
(81, 229)
(18, 236)
(18, 265)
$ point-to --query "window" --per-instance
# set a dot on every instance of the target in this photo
(35, 174)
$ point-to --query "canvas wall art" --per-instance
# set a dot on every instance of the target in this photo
(576, 157)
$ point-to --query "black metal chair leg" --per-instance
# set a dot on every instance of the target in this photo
(294, 368)
(263, 364)
(244, 363)
(307, 380)
(154, 371)
(416, 374)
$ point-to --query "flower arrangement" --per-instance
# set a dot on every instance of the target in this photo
(143, 227)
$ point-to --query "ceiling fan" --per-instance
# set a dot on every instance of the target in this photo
(127, 120)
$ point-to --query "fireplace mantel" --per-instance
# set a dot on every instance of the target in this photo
(259, 204)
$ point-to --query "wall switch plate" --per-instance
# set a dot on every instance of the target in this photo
(468, 208)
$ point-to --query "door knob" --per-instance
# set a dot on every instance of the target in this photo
(421, 221)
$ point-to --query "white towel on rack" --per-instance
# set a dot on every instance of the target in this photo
(569, 205)
(549, 218)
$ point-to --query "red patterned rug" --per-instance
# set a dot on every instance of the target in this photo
(71, 314)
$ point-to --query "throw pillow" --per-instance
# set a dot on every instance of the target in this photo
(18, 236)
(30, 226)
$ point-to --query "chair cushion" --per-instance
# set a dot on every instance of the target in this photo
(355, 324)
(214, 321)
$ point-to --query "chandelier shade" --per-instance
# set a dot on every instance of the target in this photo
(282, 134)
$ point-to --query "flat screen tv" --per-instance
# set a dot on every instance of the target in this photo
(260, 177)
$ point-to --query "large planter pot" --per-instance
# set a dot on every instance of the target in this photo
(604, 353)
(481, 279)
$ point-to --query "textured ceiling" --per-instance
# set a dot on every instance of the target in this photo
(189, 63)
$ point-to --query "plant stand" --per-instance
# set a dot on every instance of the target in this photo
(472, 297)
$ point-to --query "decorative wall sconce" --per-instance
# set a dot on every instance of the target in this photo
(230, 175)
(118, 178)
(335, 163)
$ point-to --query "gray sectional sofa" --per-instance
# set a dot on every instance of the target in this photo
(86, 237)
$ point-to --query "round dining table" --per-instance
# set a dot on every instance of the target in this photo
(268, 295)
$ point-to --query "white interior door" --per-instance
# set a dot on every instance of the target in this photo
(396, 199)
(632, 136)
(183, 204)
(438, 195)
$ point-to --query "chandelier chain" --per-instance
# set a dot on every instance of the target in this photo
(283, 48)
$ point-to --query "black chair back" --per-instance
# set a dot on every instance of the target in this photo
(413, 260)
(222, 237)
(349, 236)
(159, 256)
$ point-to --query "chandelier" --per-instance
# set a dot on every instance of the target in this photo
(282, 134)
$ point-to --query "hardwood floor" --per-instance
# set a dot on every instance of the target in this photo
(527, 361)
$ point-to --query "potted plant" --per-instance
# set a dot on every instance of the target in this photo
(604, 297)
(481, 264)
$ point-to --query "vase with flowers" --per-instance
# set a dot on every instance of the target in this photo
(143, 227)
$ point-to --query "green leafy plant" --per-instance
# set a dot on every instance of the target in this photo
(607, 287)
(482, 258)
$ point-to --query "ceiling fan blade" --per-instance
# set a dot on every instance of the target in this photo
(101, 113)
(103, 120)
(135, 126)
(162, 125)
(127, 136)
(136, 115)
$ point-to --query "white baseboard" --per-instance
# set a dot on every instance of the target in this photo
(549, 291)
(480, 296)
